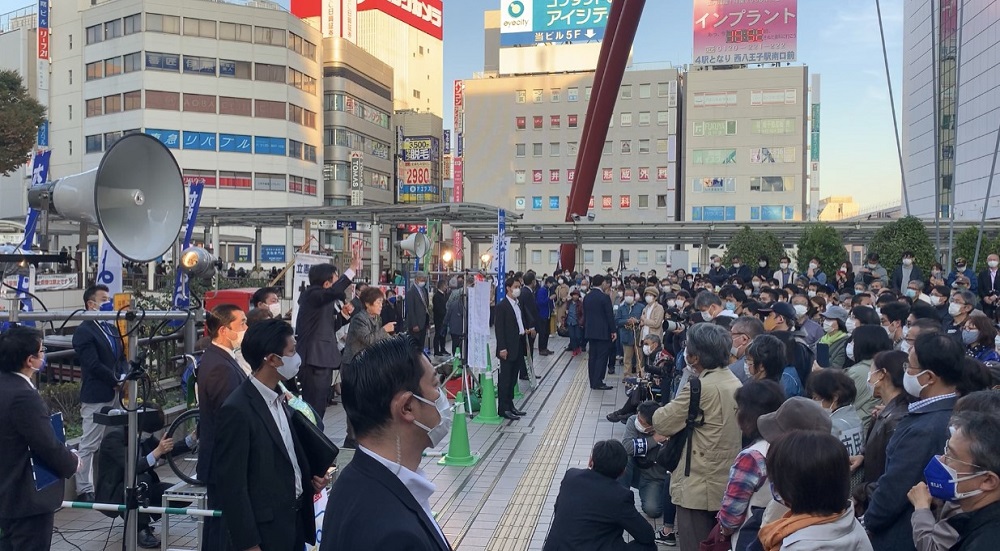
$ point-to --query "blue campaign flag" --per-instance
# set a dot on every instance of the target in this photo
(39, 175)
(501, 253)
(182, 291)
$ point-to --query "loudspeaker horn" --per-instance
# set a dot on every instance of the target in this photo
(416, 243)
(197, 262)
(135, 195)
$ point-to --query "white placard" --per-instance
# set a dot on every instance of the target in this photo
(479, 325)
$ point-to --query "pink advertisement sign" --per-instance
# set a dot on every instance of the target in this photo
(731, 32)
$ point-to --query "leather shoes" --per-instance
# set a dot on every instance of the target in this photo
(87, 497)
(603, 387)
(510, 415)
(544, 353)
(147, 540)
(516, 411)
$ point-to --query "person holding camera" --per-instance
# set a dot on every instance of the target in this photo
(643, 473)
(627, 319)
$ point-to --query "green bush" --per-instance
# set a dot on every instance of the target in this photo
(905, 234)
(750, 245)
(823, 242)
(63, 397)
(965, 247)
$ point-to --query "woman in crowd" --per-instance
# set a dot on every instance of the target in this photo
(834, 337)
(574, 321)
(834, 391)
(979, 335)
(809, 473)
(767, 359)
(866, 341)
(698, 485)
(651, 321)
(366, 326)
(937, 277)
(747, 493)
(845, 278)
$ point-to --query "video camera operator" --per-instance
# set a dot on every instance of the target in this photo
(657, 371)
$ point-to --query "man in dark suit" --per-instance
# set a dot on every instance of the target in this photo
(219, 375)
(511, 327)
(989, 286)
(440, 305)
(316, 330)
(102, 362)
(26, 435)
(530, 307)
(381, 500)
(593, 509)
(739, 270)
(265, 487)
(600, 331)
(416, 311)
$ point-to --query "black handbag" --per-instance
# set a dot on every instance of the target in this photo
(669, 454)
(320, 451)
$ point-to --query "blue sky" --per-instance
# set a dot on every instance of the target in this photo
(839, 40)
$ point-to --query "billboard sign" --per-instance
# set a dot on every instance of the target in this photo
(732, 34)
(530, 22)
(43, 29)
(357, 178)
(420, 148)
(447, 142)
(424, 15)
(416, 185)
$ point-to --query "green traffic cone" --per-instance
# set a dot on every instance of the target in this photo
(488, 405)
(517, 388)
(458, 449)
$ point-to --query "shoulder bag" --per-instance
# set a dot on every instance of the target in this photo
(669, 454)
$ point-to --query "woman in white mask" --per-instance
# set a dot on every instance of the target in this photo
(651, 322)
(832, 346)
(835, 392)
(866, 342)
(979, 336)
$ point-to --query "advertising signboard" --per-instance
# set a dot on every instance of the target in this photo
(530, 22)
(420, 148)
(357, 178)
(423, 15)
(733, 34)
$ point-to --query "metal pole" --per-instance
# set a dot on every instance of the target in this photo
(936, 104)
(290, 256)
(376, 252)
(217, 249)
(892, 105)
(954, 132)
(986, 200)
(131, 497)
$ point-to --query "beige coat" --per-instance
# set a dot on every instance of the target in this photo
(652, 319)
(715, 443)
(561, 301)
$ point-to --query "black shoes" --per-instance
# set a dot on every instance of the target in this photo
(602, 387)
(516, 411)
(614, 417)
(87, 497)
(147, 540)
(510, 415)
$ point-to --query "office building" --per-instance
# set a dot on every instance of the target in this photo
(19, 44)
(955, 107)
(744, 146)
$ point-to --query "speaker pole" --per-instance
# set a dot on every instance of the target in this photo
(131, 490)
(376, 262)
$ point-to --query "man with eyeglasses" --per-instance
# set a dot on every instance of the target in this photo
(743, 331)
(930, 377)
(961, 307)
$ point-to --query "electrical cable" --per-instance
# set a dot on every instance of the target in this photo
(61, 535)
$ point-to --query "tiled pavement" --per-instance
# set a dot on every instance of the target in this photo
(504, 503)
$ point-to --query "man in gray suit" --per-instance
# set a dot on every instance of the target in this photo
(417, 314)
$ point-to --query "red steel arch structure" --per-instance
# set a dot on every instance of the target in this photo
(622, 24)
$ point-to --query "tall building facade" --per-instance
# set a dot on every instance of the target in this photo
(951, 105)
(19, 44)
(234, 91)
(521, 143)
(744, 146)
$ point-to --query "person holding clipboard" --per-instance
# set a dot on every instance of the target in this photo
(35, 459)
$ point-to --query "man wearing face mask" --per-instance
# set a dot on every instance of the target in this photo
(785, 275)
(599, 331)
(811, 330)
(627, 320)
(263, 477)
(906, 272)
(930, 377)
(417, 303)
(873, 271)
(743, 331)
(740, 270)
(893, 318)
(219, 374)
(102, 364)
(392, 399)
(511, 328)
(989, 286)
(962, 269)
(268, 298)
(960, 308)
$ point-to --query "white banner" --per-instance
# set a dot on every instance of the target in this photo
(479, 324)
(300, 278)
(49, 282)
(319, 509)
(495, 261)
(109, 267)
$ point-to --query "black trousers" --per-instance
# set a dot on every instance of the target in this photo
(420, 337)
(509, 370)
(543, 335)
(456, 343)
(316, 383)
(34, 532)
(440, 338)
(597, 362)
(215, 536)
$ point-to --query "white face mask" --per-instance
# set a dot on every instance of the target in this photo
(629, 299)
(238, 340)
(936, 300)
(850, 350)
(275, 309)
(784, 265)
(954, 309)
(737, 265)
(437, 434)
(907, 262)
(829, 326)
(516, 292)
(706, 315)
(811, 294)
(851, 325)
(647, 350)
(289, 366)
(756, 284)
(640, 428)
(904, 347)
(649, 299)
(993, 264)
(762, 264)
(813, 265)
(800, 310)
(911, 384)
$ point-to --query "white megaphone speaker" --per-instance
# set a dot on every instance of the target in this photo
(416, 243)
(136, 196)
(197, 262)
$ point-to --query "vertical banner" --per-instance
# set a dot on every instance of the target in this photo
(300, 277)
(357, 178)
(479, 324)
(109, 266)
(39, 175)
(500, 250)
(182, 289)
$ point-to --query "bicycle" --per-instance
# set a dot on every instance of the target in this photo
(185, 465)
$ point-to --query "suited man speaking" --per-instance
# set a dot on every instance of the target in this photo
(600, 330)
(261, 469)
(417, 314)
(316, 330)
(26, 514)
(512, 325)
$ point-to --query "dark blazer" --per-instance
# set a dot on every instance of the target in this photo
(100, 365)
(440, 306)
(509, 338)
(218, 376)
(316, 324)
(897, 277)
(416, 309)
(743, 272)
(986, 286)
(25, 429)
(256, 480)
(591, 512)
(371, 510)
(600, 316)
(718, 276)
(978, 530)
(919, 436)
(529, 305)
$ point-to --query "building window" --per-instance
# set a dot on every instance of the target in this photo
(606, 256)
(70, 76)
(607, 202)
(768, 184)
(295, 149)
(554, 149)
(170, 24)
(416, 93)
(112, 66)
(309, 153)
(301, 116)
(555, 94)
(302, 81)
(644, 118)
(536, 203)
(571, 121)
(554, 175)
(95, 107)
(235, 69)
(199, 65)
(112, 29)
(644, 91)
(520, 149)
(773, 126)
(555, 121)
(133, 100)
(719, 128)
(133, 24)
(95, 70)
(520, 176)
(235, 106)
(573, 94)
(713, 156)
(643, 257)
(110, 138)
(520, 123)
(608, 148)
(235, 180)
(270, 109)
(267, 35)
(520, 96)
(586, 93)
(625, 174)
(169, 101)
(70, 142)
(132, 62)
(626, 119)
(235, 32)
(112, 104)
(662, 117)
(199, 103)
(643, 147)
(713, 185)
(625, 201)
(95, 34)
(642, 201)
(588, 257)
(537, 95)
(571, 148)
(269, 73)
(163, 62)
(772, 212)
(625, 92)
(269, 182)
(626, 147)
(95, 143)
(301, 46)
(70, 109)
(661, 201)
(536, 150)
(537, 122)
(519, 203)
(662, 145)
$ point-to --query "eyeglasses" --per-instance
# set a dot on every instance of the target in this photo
(948, 458)
(41, 351)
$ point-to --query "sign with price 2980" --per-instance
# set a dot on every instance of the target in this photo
(416, 174)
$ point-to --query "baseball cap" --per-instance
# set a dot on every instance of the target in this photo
(835, 312)
(797, 413)
(781, 308)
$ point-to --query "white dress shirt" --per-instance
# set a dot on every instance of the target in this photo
(274, 405)
(517, 314)
(416, 482)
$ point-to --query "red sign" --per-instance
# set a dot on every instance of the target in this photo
(458, 180)
(625, 202)
(537, 121)
(554, 176)
(571, 119)
(423, 15)
(570, 174)
(536, 176)
(607, 174)
(606, 202)
(625, 175)
(661, 173)
(306, 8)
(644, 174)
(590, 205)
(456, 243)
(459, 87)
(43, 43)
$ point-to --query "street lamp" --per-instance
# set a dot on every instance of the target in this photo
(485, 259)
(446, 258)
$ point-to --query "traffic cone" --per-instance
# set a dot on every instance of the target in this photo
(517, 388)
(488, 405)
(458, 449)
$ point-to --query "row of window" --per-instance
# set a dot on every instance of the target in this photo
(625, 174)
(663, 90)
(344, 137)
(539, 202)
(758, 155)
(205, 28)
(757, 213)
(200, 103)
(341, 170)
(261, 181)
(210, 141)
(346, 103)
(758, 98)
(625, 147)
(606, 256)
(763, 184)
(728, 127)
